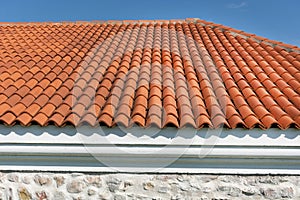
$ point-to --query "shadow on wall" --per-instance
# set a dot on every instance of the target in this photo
(169, 132)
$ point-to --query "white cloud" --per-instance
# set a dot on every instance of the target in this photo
(236, 6)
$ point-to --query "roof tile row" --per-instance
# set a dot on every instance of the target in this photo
(148, 73)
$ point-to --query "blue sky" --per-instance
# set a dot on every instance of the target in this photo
(274, 19)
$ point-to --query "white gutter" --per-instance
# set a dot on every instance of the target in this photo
(137, 150)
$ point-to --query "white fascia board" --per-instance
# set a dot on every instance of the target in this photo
(138, 136)
(151, 151)
(170, 150)
(71, 169)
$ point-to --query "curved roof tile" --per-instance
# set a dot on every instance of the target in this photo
(148, 73)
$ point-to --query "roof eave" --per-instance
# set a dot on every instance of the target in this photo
(86, 149)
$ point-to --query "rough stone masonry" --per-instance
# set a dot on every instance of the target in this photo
(118, 186)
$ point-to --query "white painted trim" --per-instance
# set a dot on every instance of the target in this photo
(168, 136)
(237, 151)
(232, 171)
(170, 151)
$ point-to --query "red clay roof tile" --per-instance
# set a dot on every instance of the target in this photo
(24, 118)
(161, 73)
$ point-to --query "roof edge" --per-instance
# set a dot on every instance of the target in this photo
(244, 34)
(83, 22)
(241, 152)
(168, 136)
(259, 39)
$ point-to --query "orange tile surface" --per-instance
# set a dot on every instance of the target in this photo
(148, 73)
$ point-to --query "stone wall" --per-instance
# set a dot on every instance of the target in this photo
(75, 186)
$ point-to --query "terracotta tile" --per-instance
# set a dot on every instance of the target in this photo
(48, 109)
(219, 121)
(25, 119)
(41, 100)
(142, 91)
(78, 109)
(100, 100)
(44, 83)
(277, 111)
(295, 100)
(154, 120)
(110, 110)
(182, 91)
(124, 109)
(245, 111)
(4, 107)
(155, 100)
(17, 109)
(141, 100)
(260, 111)
(170, 120)
(33, 109)
(251, 121)
(170, 109)
(27, 76)
(57, 118)
(261, 92)
(254, 101)
(122, 120)
(275, 92)
(8, 82)
(49, 91)
(283, 101)
(106, 120)
(185, 109)
(63, 110)
(295, 85)
(10, 91)
(13, 100)
(89, 119)
(138, 120)
(292, 111)
(103, 91)
(72, 118)
(285, 121)
(268, 121)
(235, 121)
(297, 120)
(129, 91)
(203, 121)
(155, 110)
(8, 118)
(125, 75)
(187, 121)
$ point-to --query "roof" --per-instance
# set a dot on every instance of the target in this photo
(147, 73)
